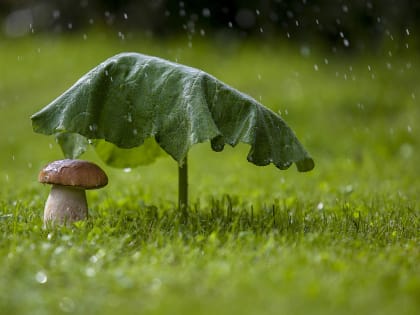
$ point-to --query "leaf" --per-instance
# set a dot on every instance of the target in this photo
(72, 144)
(119, 157)
(132, 97)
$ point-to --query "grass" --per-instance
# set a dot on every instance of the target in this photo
(343, 239)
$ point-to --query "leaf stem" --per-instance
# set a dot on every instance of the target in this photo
(183, 185)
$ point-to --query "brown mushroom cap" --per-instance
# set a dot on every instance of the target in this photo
(75, 173)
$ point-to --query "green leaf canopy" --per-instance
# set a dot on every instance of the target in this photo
(131, 97)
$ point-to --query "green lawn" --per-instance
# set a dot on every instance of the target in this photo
(342, 239)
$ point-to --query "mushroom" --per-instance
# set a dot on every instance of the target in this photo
(67, 202)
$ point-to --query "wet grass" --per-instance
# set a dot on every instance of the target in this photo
(343, 239)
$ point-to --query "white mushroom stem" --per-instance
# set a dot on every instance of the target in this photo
(65, 205)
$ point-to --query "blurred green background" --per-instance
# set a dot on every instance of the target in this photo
(356, 114)
(345, 77)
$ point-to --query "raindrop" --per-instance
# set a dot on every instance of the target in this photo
(413, 96)
(348, 189)
(127, 170)
(91, 21)
(84, 3)
(409, 129)
(389, 65)
(67, 305)
(305, 51)
(206, 12)
(261, 30)
(317, 21)
(316, 67)
(345, 8)
(84, 36)
(29, 165)
(326, 61)
(407, 31)
(125, 16)
(202, 32)
(257, 12)
(58, 250)
(346, 42)
(121, 35)
(90, 272)
(70, 26)
(320, 206)
(129, 117)
(406, 150)
(56, 14)
(41, 277)
(94, 259)
(156, 284)
(16, 23)
(230, 25)
(259, 76)
(369, 68)
(135, 132)
(245, 18)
